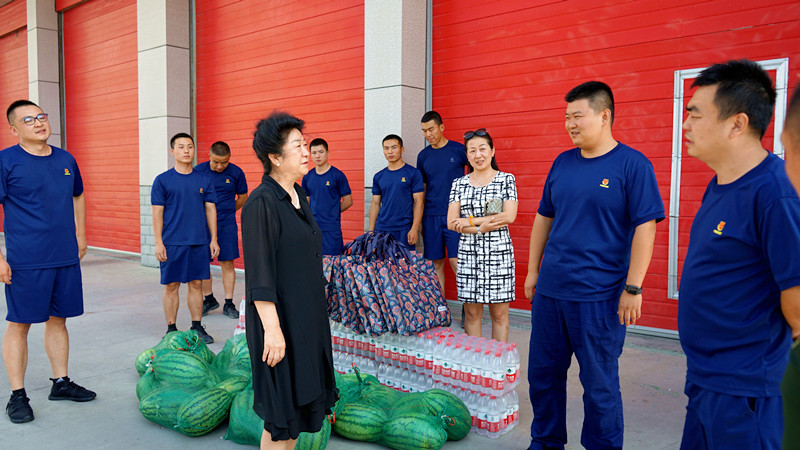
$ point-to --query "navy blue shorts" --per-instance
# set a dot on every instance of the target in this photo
(36, 294)
(436, 236)
(186, 263)
(228, 240)
(332, 242)
(715, 420)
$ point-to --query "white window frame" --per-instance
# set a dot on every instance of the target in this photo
(781, 68)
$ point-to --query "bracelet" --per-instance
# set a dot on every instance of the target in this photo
(470, 221)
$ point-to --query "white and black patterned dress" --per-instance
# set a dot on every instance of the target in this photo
(485, 263)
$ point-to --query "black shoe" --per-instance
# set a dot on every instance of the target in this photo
(68, 390)
(210, 304)
(19, 409)
(230, 311)
(201, 331)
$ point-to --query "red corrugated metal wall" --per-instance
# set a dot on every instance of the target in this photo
(13, 60)
(102, 116)
(303, 57)
(507, 65)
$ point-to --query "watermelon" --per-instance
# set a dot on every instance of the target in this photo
(413, 431)
(454, 413)
(315, 441)
(146, 384)
(203, 412)
(360, 422)
(233, 385)
(161, 406)
(190, 341)
(143, 359)
(180, 369)
(244, 426)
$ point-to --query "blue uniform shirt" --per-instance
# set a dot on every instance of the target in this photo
(183, 198)
(37, 196)
(439, 167)
(596, 204)
(326, 192)
(743, 251)
(397, 189)
(227, 184)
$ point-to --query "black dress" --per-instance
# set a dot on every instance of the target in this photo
(283, 264)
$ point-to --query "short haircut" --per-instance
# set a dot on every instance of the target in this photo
(318, 141)
(598, 93)
(15, 105)
(742, 87)
(271, 134)
(393, 136)
(179, 136)
(432, 115)
(792, 123)
(220, 148)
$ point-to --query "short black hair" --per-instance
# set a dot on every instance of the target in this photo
(598, 93)
(220, 148)
(392, 136)
(792, 123)
(318, 141)
(17, 104)
(742, 87)
(271, 134)
(432, 115)
(179, 136)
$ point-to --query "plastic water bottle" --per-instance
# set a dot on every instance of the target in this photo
(348, 363)
(419, 352)
(456, 359)
(498, 373)
(437, 361)
(512, 403)
(483, 414)
(370, 367)
(402, 351)
(447, 362)
(404, 381)
(476, 373)
(493, 418)
(472, 405)
(430, 346)
(511, 361)
(466, 366)
(382, 373)
(486, 372)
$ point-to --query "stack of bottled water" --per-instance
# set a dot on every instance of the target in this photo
(481, 372)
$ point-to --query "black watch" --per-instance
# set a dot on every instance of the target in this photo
(633, 290)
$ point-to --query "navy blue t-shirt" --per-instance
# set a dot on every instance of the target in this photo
(397, 189)
(439, 167)
(37, 196)
(183, 198)
(596, 204)
(743, 251)
(227, 184)
(326, 192)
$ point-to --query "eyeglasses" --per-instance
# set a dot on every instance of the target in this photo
(30, 120)
(479, 132)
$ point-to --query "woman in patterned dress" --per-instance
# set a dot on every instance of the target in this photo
(482, 205)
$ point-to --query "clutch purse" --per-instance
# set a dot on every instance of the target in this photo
(493, 206)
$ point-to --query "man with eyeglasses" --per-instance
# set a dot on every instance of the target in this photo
(593, 234)
(41, 191)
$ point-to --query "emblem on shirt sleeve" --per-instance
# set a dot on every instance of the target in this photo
(227, 180)
(403, 180)
(66, 172)
(328, 183)
(604, 184)
(201, 190)
(720, 226)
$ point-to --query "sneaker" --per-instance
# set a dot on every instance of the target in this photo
(68, 390)
(230, 311)
(210, 305)
(201, 331)
(19, 409)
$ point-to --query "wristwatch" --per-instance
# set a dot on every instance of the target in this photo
(478, 233)
(633, 290)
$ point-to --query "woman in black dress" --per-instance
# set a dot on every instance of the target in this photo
(287, 323)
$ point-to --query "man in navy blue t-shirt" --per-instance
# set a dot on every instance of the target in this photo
(328, 193)
(397, 196)
(741, 276)
(41, 191)
(230, 189)
(440, 163)
(594, 234)
(185, 229)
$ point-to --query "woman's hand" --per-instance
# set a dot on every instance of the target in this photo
(459, 224)
(492, 224)
(274, 346)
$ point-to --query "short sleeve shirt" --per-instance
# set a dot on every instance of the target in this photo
(397, 189)
(227, 185)
(326, 192)
(439, 167)
(183, 197)
(595, 204)
(743, 251)
(37, 195)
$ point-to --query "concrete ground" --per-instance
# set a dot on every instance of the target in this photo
(124, 316)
